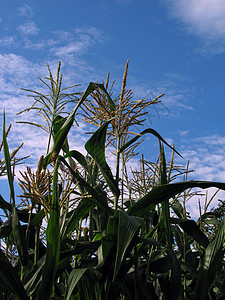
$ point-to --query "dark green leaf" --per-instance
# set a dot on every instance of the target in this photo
(78, 214)
(167, 191)
(148, 130)
(192, 229)
(53, 243)
(61, 135)
(210, 265)
(127, 228)
(10, 279)
(95, 146)
(73, 279)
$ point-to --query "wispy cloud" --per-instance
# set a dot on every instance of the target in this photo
(7, 41)
(206, 158)
(76, 42)
(25, 10)
(202, 17)
(29, 28)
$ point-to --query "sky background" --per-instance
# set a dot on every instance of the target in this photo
(174, 47)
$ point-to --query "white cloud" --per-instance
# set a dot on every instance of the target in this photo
(25, 11)
(7, 41)
(206, 157)
(202, 17)
(77, 42)
(28, 29)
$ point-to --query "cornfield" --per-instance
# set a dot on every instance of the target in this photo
(78, 231)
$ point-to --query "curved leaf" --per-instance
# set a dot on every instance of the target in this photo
(192, 229)
(97, 198)
(95, 146)
(148, 130)
(127, 228)
(167, 191)
(61, 135)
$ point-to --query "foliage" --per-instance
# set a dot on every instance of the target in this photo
(81, 232)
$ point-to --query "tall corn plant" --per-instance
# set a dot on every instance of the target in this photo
(134, 251)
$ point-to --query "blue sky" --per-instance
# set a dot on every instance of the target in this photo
(174, 47)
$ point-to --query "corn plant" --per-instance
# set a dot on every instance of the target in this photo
(142, 247)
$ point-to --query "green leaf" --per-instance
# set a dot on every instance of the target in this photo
(95, 146)
(7, 161)
(78, 213)
(16, 227)
(128, 227)
(61, 135)
(33, 279)
(19, 238)
(53, 243)
(211, 262)
(148, 130)
(167, 191)
(97, 198)
(73, 279)
(37, 219)
(9, 278)
(175, 279)
(165, 204)
(192, 229)
(57, 124)
(79, 157)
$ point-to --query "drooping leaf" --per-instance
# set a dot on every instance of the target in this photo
(167, 191)
(192, 229)
(148, 130)
(79, 157)
(95, 146)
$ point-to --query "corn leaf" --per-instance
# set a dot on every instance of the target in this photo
(148, 130)
(175, 279)
(79, 157)
(127, 228)
(167, 191)
(212, 259)
(192, 229)
(165, 204)
(73, 279)
(95, 146)
(61, 135)
(77, 214)
(9, 278)
(16, 227)
(97, 198)
(32, 281)
(53, 243)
